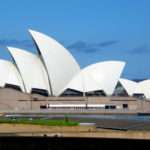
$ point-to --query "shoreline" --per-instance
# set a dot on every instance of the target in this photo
(7, 130)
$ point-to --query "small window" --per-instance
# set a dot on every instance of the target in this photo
(16, 87)
(39, 91)
(71, 92)
(106, 107)
(125, 106)
(43, 106)
(112, 107)
(139, 95)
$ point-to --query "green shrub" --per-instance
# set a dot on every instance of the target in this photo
(48, 122)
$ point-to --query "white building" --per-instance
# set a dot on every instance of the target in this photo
(55, 70)
(133, 87)
(143, 87)
(9, 75)
(59, 63)
(128, 85)
(31, 69)
(102, 76)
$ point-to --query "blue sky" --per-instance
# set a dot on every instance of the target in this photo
(93, 30)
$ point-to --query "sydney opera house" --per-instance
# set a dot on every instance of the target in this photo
(54, 72)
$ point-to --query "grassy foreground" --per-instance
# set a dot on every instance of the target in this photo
(46, 122)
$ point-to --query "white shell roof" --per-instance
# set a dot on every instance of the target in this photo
(100, 76)
(132, 87)
(129, 86)
(10, 75)
(31, 69)
(60, 64)
(144, 87)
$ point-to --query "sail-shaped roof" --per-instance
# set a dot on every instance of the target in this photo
(10, 75)
(31, 69)
(100, 76)
(60, 64)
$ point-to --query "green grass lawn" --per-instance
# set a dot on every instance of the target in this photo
(48, 122)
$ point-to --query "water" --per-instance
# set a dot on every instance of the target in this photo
(111, 117)
(89, 117)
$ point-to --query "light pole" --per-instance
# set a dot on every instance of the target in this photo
(84, 88)
(30, 101)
